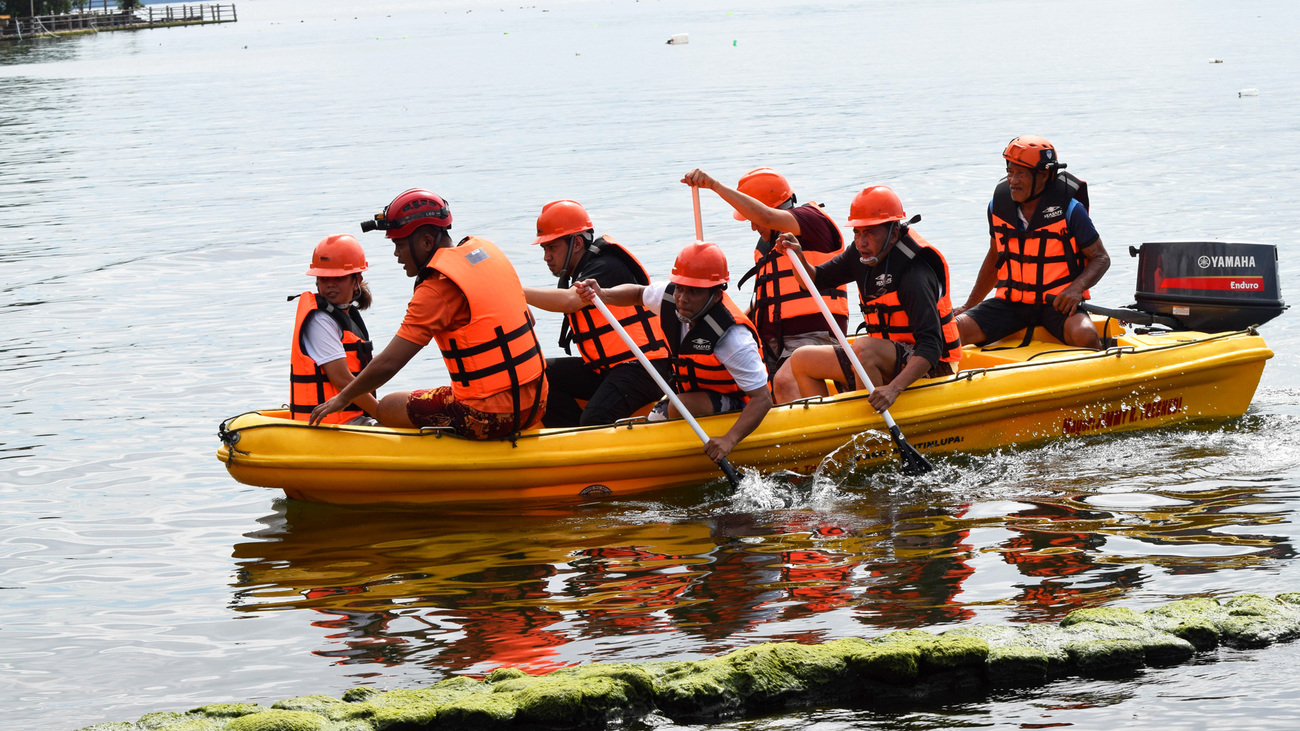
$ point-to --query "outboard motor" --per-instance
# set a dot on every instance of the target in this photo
(1208, 286)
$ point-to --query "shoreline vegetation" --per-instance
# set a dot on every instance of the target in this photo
(15, 27)
(911, 668)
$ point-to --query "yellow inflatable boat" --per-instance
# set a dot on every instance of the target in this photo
(1003, 395)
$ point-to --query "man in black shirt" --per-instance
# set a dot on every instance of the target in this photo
(607, 375)
(903, 288)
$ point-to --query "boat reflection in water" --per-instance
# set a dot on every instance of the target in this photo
(466, 594)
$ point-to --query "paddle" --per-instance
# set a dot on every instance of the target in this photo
(914, 463)
(732, 476)
(699, 225)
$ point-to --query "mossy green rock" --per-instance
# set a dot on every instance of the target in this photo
(228, 710)
(914, 665)
(279, 721)
(363, 693)
(1017, 666)
(1106, 658)
(313, 703)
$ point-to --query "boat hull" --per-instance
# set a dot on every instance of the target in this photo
(1000, 398)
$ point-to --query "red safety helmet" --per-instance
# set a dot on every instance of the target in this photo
(337, 256)
(410, 210)
(561, 218)
(873, 205)
(700, 264)
(765, 185)
(1032, 152)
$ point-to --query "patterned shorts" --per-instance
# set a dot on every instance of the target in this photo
(438, 407)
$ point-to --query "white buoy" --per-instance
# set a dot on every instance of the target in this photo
(1216, 60)
(679, 39)
(1248, 92)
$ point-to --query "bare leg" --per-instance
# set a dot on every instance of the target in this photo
(968, 330)
(696, 402)
(1080, 332)
(784, 388)
(392, 410)
(878, 357)
(810, 366)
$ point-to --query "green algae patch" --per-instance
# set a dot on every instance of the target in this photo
(1017, 666)
(1106, 658)
(276, 720)
(361, 693)
(477, 710)
(228, 710)
(313, 703)
(1115, 616)
(938, 653)
(503, 674)
(896, 664)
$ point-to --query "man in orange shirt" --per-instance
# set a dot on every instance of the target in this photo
(469, 299)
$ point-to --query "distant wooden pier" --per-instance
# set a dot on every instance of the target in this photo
(146, 16)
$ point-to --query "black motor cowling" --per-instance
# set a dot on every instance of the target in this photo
(1209, 286)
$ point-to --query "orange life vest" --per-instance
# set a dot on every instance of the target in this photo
(884, 315)
(777, 294)
(695, 367)
(308, 385)
(1044, 258)
(496, 350)
(599, 345)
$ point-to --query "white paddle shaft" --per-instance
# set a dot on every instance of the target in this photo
(699, 223)
(645, 363)
(835, 328)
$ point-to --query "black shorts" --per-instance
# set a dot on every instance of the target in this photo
(999, 318)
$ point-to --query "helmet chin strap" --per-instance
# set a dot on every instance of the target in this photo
(902, 227)
(889, 244)
(713, 298)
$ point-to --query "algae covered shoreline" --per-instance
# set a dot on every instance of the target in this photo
(909, 667)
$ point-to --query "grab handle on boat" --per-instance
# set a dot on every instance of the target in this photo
(914, 463)
(732, 476)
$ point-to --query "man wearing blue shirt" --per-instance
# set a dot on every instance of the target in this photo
(1044, 253)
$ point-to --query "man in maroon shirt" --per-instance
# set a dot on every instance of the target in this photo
(785, 315)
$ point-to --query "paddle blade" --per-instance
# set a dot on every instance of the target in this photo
(914, 463)
(732, 475)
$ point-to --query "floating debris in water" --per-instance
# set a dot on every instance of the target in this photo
(1216, 60)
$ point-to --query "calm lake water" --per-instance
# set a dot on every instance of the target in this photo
(160, 193)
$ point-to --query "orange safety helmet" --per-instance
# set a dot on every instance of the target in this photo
(765, 185)
(561, 218)
(1033, 152)
(873, 205)
(410, 210)
(700, 264)
(337, 256)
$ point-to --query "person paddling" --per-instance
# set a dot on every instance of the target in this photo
(605, 373)
(783, 313)
(469, 299)
(1044, 253)
(903, 288)
(330, 341)
(717, 365)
